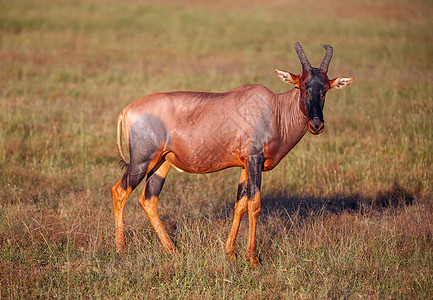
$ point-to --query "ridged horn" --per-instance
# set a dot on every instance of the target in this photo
(306, 66)
(327, 59)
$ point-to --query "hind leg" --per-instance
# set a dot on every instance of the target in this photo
(120, 192)
(149, 200)
(120, 195)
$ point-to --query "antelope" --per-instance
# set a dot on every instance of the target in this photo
(200, 132)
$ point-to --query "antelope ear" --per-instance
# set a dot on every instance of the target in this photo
(287, 77)
(341, 82)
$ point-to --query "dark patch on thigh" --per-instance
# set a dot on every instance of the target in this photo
(146, 136)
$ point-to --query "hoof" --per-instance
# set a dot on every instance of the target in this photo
(121, 252)
(252, 257)
(254, 262)
(232, 256)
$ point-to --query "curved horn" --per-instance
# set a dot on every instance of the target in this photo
(327, 59)
(306, 66)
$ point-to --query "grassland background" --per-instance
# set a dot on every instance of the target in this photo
(346, 214)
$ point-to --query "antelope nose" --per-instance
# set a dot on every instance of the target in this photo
(316, 126)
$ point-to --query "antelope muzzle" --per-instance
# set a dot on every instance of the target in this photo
(316, 126)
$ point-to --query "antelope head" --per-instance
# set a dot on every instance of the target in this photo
(313, 84)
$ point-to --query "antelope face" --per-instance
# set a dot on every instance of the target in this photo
(313, 84)
(313, 90)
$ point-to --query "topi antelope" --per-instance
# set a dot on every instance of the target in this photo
(198, 132)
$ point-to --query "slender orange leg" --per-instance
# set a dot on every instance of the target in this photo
(149, 200)
(240, 209)
(119, 200)
(253, 214)
(254, 179)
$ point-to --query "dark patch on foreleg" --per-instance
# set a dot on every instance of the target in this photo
(255, 168)
(242, 190)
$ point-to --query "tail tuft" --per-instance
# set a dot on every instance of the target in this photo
(123, 164)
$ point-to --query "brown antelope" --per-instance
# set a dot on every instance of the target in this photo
(249, 127)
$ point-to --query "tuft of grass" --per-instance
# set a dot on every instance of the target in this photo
(347, 214)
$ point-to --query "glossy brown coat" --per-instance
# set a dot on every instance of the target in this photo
(200, 146)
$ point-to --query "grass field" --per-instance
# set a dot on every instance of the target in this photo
(347, 214)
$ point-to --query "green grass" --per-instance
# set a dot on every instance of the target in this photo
(347, 214)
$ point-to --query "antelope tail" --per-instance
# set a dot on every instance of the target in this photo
(123, 163)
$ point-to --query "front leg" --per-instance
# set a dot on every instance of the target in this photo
(254, 180)
(240, 209)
